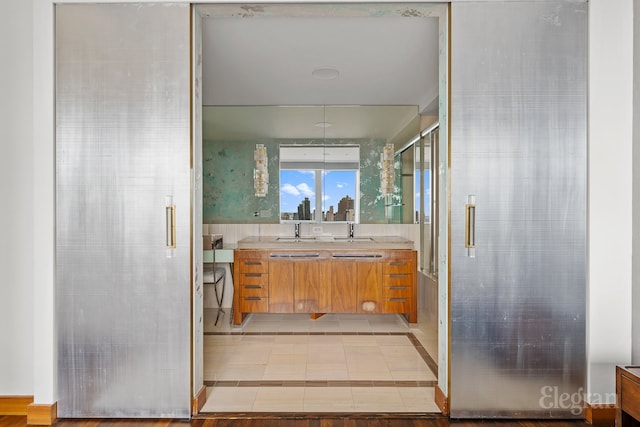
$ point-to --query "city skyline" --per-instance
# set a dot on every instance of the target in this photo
(296, 185)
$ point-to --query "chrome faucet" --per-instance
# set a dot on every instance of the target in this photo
(296, 230)
(351, 229)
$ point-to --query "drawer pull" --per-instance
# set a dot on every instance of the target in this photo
(397, 299)
(398, 276)
(253, 286)
(253, 263)
(309, 255)
(252, 299)
(398, 288)
(398, 263)
(253, 274)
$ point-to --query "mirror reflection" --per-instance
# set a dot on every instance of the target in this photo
(325, 163)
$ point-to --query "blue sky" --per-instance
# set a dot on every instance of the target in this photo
(427, 188)
(295, 185)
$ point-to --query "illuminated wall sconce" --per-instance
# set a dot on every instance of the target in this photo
(261, 172)
(387, 173)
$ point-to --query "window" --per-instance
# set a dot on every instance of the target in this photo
(332, 172)
(426, 202)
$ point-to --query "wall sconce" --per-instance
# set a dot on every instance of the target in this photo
(261, 172)
(387, 173)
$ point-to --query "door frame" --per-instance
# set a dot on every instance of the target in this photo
(441, 11)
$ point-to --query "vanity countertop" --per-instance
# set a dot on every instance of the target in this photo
(325, 242)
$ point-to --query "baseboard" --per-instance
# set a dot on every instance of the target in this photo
(441, 401)
(14, 405)
(42, 415)
(600, 414)
(199, 400)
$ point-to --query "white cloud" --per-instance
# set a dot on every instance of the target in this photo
(340, 185)
(305, 190)
(290, 189)
(325, 198)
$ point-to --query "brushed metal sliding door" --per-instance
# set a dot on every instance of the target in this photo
(123, 298)
(518, 148)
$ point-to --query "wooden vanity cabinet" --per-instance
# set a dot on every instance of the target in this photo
(312, 287)
(326, 281)
(369, 287)
(281, 279)
(251, 270)
(344, 287)
(398, 285)
(299, 283)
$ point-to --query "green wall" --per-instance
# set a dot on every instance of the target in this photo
(228, 195)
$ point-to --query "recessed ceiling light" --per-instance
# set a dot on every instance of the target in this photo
(322, 125)
(325, 73)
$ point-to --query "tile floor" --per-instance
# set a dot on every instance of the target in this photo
(337, 363)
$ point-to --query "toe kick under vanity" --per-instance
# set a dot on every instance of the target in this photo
(318, 276)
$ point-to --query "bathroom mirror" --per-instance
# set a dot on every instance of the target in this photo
(231, 135)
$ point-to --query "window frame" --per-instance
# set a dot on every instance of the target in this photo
(320, 169)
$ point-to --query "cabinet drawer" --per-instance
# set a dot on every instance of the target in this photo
(255, 290)
(397, 266)
(397, 291)
(254, 266)
(254, 279)
(254, 304)
(398, 279)
(397, 305)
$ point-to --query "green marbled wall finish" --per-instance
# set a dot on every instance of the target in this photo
(228, 196)
(227, 175)
(395, 210)
(371, 200)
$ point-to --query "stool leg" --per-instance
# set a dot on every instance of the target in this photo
(217, 318)
(219, 296)
(224, 279)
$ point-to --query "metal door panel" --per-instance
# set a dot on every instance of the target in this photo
(518, 144)
(122, 145)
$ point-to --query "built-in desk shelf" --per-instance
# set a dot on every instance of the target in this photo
(224, 255)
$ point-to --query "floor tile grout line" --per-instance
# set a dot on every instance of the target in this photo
(433, 366)
(320, 383)
(313, 415)
(280, 333)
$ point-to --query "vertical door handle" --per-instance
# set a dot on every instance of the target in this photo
(470, 226)
(170, 222)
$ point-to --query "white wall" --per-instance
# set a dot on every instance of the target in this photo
(44, 351)
(610, 194)
(27, 291)
(16, 198)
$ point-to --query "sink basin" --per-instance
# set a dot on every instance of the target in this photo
(295, 239)
(353, 239)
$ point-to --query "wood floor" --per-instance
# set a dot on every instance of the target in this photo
(303, 421)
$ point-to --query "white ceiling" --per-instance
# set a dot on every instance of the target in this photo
(268, 61)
